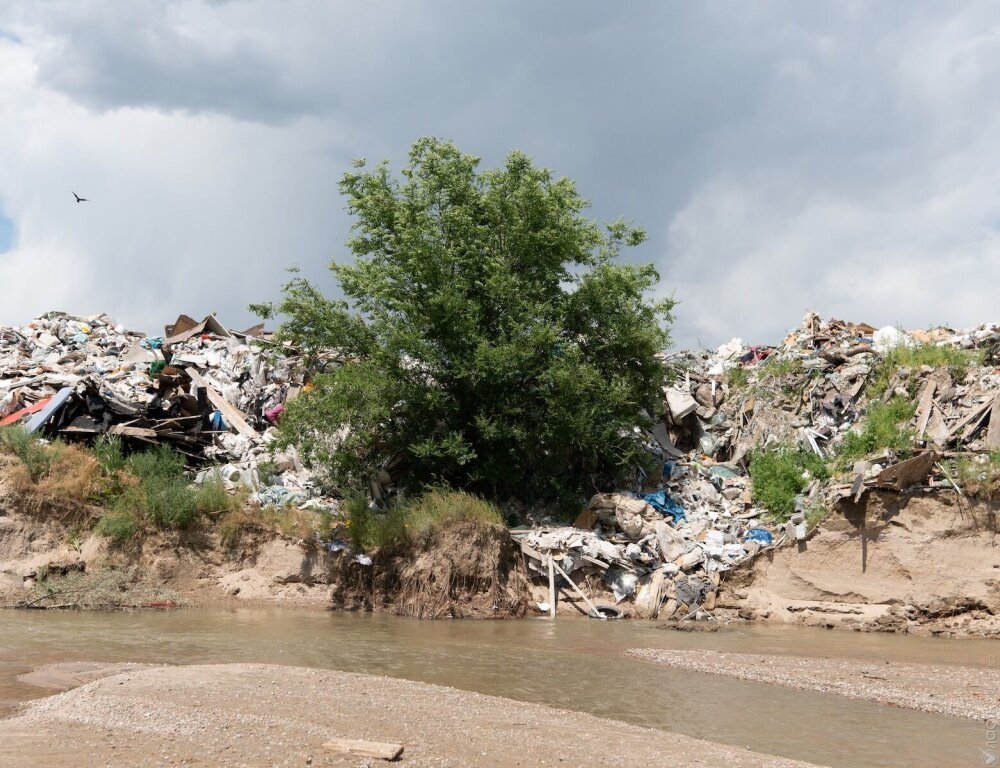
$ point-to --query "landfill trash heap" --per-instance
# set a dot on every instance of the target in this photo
(663, 546)
(213, 394)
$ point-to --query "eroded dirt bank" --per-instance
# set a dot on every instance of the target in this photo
(257, 715)
(465, 570)
(926, 562)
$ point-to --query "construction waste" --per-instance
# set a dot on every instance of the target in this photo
(211, 393)
(663, 547)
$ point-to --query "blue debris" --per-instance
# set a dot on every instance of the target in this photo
(760, 534)
(665, 505)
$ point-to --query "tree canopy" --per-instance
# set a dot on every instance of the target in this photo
(497, 342)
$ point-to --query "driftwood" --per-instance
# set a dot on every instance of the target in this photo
(376, 749)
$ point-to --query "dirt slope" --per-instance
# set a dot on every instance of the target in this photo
(921, 563)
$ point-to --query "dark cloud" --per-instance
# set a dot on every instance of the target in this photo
(782, 155)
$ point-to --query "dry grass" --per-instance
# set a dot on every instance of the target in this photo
(244, 519)
(55, 480)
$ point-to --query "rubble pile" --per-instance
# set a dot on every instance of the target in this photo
(811, 391)
(815, 387)
(211, 393)
(665, 550)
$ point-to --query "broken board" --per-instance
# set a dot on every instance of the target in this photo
(376, 749)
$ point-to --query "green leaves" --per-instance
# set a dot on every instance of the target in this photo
(502, 347)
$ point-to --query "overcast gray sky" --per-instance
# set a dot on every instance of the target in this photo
(842, 156)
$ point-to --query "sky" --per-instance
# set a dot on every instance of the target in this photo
(841, 157)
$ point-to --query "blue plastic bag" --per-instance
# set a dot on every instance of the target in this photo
(665, 505)
(760, 534)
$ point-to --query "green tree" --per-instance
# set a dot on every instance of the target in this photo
(498, 343)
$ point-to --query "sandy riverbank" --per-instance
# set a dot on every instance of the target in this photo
(971, 692)
(259, 715)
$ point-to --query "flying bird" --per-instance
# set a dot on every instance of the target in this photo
(80, 199)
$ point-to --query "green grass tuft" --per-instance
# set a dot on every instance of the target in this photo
(978, 475)
(780, 474)
(883, 428)
(370, 529)
(957, 361)
(34, 454)
(737, 378)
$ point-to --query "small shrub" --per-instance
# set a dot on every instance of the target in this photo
(267, 472)
(159, 464)
(779, 474)
(212, 498)
(815, 513)
(883, 429)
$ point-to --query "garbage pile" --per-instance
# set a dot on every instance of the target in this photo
(810, 391)
(663, 551)
(211, 393)
(816, 387)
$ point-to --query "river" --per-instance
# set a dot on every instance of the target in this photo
(574, 664)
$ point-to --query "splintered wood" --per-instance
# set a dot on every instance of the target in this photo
(376, 749)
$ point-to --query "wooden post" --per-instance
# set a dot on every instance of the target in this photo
(552, 588)
(593, 608)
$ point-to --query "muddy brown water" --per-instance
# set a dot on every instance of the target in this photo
(573, 664)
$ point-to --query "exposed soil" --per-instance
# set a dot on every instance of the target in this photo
(947, 690)
(922, 563)
(470, 569)
(256, 715)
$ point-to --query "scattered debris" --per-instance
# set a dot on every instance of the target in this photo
(211, 393)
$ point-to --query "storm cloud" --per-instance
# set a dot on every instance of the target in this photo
(782, 156)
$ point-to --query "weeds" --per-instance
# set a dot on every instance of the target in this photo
(290, 521)
(34, 454)
(110, 454)
(412, 520)
(779, 368)
(780, 474)
(737, 378)
(957, 361)
(883, 430)
(978, 475)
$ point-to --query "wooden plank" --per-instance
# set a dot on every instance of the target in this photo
(530, 552)
(377, 749)
(993, 434)
(907, 473)
(552, 588)
(924, 409)
(593, 608)
(230, 412)
(121, 429)
(975, 413)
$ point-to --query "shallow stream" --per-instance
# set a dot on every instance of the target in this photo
(571, 663)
